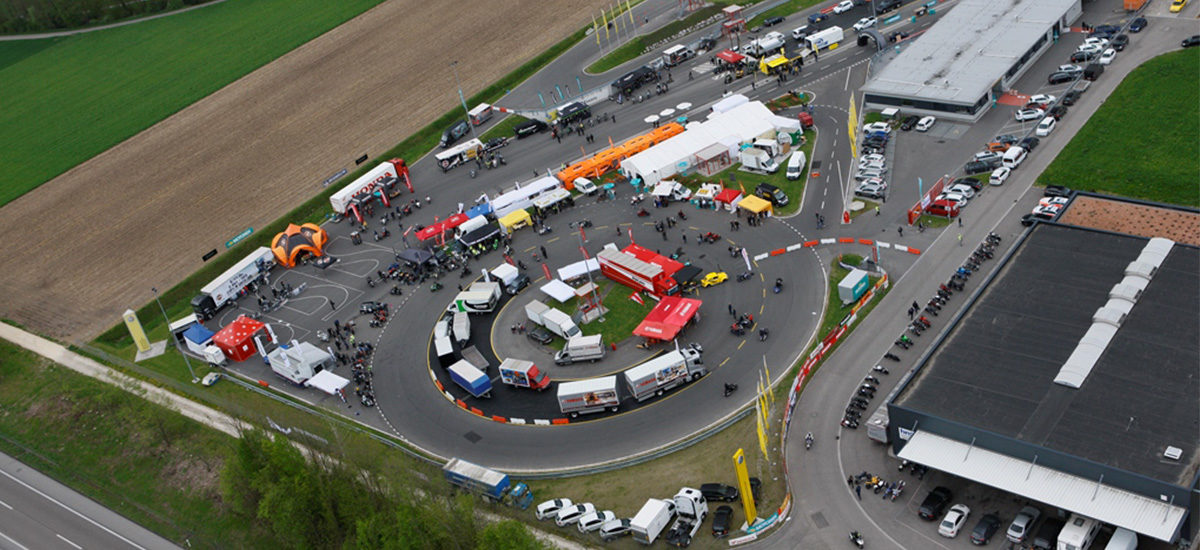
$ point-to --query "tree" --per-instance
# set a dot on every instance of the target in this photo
(508, 535)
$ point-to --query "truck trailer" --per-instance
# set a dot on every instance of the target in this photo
(462, 327)
(651, 520)
(656, 376)
(825, 39)
(554, 320)
(523, 374)
(486, 482)
(628, 270)
(581, 348)
(475, 381)
(223, 290)
(380, 183)
(480, 297)
(588, 396)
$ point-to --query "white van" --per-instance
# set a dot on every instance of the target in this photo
(1014, 156)
(1122, 539)
(1078, 534)
(926, 123)
(795, 165)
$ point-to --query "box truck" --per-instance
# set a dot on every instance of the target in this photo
(223, 290)
(690, 511)
(588, 396)
(462, 327)
(475, 381)
(523, 374)
(677, 54)
(554, 320)
(444, 350)
(513, 280)
(656, 376)
(581, 348)
(824, 39)
(487, 482)
(754, 158)
(628, 270)
(651, 520)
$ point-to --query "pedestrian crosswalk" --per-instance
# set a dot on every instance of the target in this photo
(704, 68)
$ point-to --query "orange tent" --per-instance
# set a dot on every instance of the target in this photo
(297, 240)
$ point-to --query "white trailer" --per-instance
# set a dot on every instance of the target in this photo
(458, 154)
(581, 348)
(825, 39)
(588, 396)
(365, 183)
(444, 350)
(560, 323)
(651, 520)
(677, 54)
(225, 288)
(462, 327)
(656, 376)
(534, 311)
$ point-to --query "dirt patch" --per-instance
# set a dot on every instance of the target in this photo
(1131, 218)
(90, 243)
(189, 474)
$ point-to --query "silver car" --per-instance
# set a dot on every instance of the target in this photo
(1021, 525)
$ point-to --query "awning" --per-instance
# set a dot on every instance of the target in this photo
(516, 220)
(327, 382)
(754, 204)
(1137, 513)
(729, 195)
(558, 290)
(668, 317)
(730, 56)
(415, 255)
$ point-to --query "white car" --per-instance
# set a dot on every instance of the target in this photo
(1090, 48)
(550, 508)
(1045, 126)
(1018, 531)
(871, 157)
(957, 198)
(954, 520)
(877, 127)
(1096, 40)
(593, 521)
(926, 123)
(571, 514)
(1073, 69)
(865, 23)
(1053, 201)
(1108, 56)
(999, 176)
(1044, 99)
(963, 189)
(1029, 114)
(844, 7)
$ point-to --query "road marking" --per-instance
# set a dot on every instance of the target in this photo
(741, 344)
(530, 249)
(762, 307)
(9, 539)
(847, 86)
(66, 540)
(552, 240)
(723, 362)
(72, 510)
(5, 504)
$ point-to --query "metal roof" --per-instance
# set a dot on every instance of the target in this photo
(970, 48)
(1137, 513)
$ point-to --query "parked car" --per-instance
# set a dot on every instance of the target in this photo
(1138, 24)
(1120, 41)
(884, 6)
(1030, 143)
(540, 335)
(958, 199)
(844, 6)
(997, 146)
(713, 279)
(1177, 5)
(1047, 535)
(1193, 40)
(865, 23)
(987, 156)
(611, 530)
(872, 189)
(1104, 29)
(934, 503)
(1045, 127)
(977, 167)
(1007, 139)
(1083, 57)
(999, 176)
(877, 127)
(550, 508)
(454, 133)
(722, 519)
(719, 491)
(1060, 77)
(1057, 191)
(1107, 57)
(1071, 97)
(571, 514)
(1029, 114)
(969, 182)
(983, 531)
(1019, 529)
(926, 123)
(909, 122)
(1044, 99)
(817, 18)
(964, 190)
(1097, 41)
(772, 21)
(593, 521)
(949, 210)
(954, 520)
(1093, 48)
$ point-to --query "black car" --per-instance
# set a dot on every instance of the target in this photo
(1138, 24)
(1093, 71)
(1061, 77)
(1105, 29)
(1007, 139)
(1047, 535)
(454, 133)
(1071, 97)
(1028, 220)
(1119, 42)
(540, 335)
(722, 518)
(1057, 191)
(1030, 143)
(981, 166)
(1083, 57)
(1190, 41)
(934, 503)
(909, 122)
(987, 526)
(1058, 111)
(518, 284)
(970, 182)
(719, 491)
(530, 127)
(371, 307)
(817, 17)
(772, 21)
(886, 5)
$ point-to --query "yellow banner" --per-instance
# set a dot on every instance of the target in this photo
(629, 10)
(739, 464)
(595, 30)
(762, 431)
(604, 21)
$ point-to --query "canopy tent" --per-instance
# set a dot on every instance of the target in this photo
(482, 209)
(297, 240)
(522, 197)
(729, 56)
(772, 63)
(236, 340)
(687, 274)
(732, 102)
(754, 204)
(669, 316)
(578, 269)
(729, 196)
(551, 198)
(437, 229)
(663, 189)
(558, 290)
(480, 235)
(516, 220)
(415, 255)
(197, 337)
(327, 382)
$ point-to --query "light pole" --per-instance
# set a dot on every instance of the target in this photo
(463, 100)
(595, 289)
(166, 320)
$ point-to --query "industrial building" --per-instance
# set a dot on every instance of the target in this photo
(968, 59)
(1071, 378)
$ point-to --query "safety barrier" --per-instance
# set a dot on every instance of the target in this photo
(836, 240)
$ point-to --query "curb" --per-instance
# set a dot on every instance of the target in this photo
(836, 240)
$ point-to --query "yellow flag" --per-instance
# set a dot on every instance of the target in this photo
(604, 21)
(739, 465)
(629, 10)
(595, 29)
(853, 127)
(762, 432)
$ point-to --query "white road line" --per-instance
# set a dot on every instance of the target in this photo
(66, 540)
(9, 539)
(5, 504)
(847, 86)
(72, 510)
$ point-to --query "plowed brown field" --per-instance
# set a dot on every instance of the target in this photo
(89, 244)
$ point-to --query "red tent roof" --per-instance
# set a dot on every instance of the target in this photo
(730, 56)
(236, 339)
(455, 221)
(728, 195)
(668, 317)
(443, 226)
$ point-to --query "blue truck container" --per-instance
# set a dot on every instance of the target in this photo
(475, 381)
(493, 485)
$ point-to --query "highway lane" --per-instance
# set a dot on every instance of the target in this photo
(38, 513)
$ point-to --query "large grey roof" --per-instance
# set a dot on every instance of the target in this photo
(959, 58)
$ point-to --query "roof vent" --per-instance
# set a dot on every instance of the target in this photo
(1173, 453)
(1141, 269)
(1109, 316)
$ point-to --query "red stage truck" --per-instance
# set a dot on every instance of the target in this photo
(627, 269)
(379, 183)
(524, 374)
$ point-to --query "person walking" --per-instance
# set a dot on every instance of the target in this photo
(960, 221)
(900, 230)
(858, 491)
(332, 307)
(960, 239)
(877, 210)
(731, 310)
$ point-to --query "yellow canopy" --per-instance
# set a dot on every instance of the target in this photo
(754, 204)
(771, 62)
(516, 220)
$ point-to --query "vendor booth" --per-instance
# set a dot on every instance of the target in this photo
(668, 318)
(327, 382)
(516, 220)
(755, 205)
(560, 291)
(296, 241)
(236, 340)
(299, 362)
(729, 198)
(196, 338)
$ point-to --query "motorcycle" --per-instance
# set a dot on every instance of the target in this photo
(636, 199)
(744, 276)
(857, 539)
(778, 285)
(585, 223)
(880, 368)
(808, 441)
(871, 379)
(643, 213)
(896, 491)
(543, 229)
(682, 216)
(892, 356)
(436, 286)
(848, 423)
(395, 291)
(730, 388)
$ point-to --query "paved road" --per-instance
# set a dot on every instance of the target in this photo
(37, 512)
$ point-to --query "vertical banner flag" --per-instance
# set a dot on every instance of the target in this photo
(739, 464)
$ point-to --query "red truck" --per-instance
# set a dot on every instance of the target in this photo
(806, 120)
(627, 269)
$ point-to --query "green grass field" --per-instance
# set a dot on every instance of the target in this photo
(68, 99)
(1142, 142)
